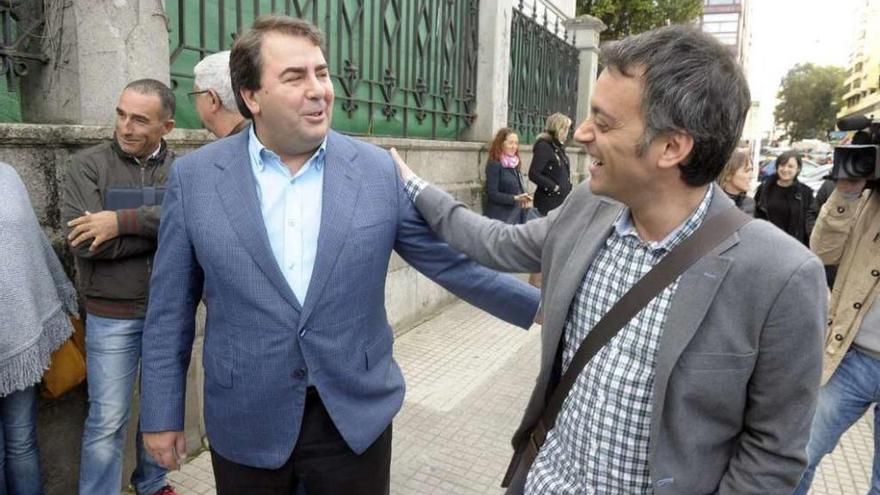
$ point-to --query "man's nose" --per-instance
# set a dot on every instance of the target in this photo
(585, 132)
(315, 89)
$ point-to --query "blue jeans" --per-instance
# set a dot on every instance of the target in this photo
(852, 389)
(19, 457)
(113, 350)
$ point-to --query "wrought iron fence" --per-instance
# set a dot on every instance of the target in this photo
(543, 72)
(399, 67)
(21, 25)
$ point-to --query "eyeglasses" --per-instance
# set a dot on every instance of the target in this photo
(192, 94)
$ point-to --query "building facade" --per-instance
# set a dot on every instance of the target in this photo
(728, 21)
(862, 84)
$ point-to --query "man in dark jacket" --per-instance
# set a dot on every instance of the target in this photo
(111, 214)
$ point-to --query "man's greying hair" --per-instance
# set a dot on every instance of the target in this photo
(692, 84)
(213, 73)
(244, 61)
(157, 88)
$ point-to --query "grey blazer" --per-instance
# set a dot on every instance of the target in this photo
(738, 366)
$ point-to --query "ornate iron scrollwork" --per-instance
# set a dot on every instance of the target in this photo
(389, 86)
(543, 73)
(400, 67)
(349, 81)
(21, 26)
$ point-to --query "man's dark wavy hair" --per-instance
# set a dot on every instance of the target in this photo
(692, 84)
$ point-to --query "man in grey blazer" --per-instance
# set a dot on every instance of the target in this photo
(711, 387)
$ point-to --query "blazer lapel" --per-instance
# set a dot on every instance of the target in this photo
(340, 194)
(696, 291)
(238, 195)
(593, 235)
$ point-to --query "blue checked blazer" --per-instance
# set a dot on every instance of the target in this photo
(262, 346)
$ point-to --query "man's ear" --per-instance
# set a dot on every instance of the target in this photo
(249, 96)
(677, 147)
(167, 126)
(216, 103)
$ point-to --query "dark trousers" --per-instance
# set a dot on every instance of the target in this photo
(321, 463)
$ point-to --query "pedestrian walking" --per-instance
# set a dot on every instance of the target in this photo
(550, 169)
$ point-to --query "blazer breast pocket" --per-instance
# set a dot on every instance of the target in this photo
(373, 218)
(716, 361)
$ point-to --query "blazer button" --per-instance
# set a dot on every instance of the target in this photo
(840, 209)
(830, 321)
(299, 374)
(875, 273)
(857, 305)
(838, 337)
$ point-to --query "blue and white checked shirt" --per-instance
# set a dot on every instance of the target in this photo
(291, 207)
(601, 440)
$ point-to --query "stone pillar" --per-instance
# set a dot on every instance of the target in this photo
(493, 70)
(95, 47)
(586, 29)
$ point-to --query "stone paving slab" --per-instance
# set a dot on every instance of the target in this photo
(468, 379)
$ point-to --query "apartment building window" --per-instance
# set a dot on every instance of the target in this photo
(722, 2)
(723, 26)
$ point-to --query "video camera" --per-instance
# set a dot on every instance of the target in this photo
(861, 159)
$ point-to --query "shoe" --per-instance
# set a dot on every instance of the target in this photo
(166, 490)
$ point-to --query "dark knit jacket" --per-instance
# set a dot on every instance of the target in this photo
(115, 277)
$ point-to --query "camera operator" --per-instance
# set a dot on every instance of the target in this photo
(847, 233)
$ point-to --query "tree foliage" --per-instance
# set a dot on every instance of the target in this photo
(625, 17)
(809, 99)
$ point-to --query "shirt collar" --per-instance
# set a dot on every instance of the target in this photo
(260, 154)
(624, 226)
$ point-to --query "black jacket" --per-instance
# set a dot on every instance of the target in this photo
(550, 168)
(502, 184)
(802, 214)
(115, 278)
(743, 202)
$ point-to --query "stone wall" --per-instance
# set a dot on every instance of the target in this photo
(40, 155)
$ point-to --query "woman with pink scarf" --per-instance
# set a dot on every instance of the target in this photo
(507, 198)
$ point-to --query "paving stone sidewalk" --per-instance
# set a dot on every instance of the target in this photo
(468, 378)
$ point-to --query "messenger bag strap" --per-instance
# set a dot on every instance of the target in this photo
(713, 230)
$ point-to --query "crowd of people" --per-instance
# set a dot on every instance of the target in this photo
(706, 382)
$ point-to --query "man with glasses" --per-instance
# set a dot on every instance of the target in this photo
(213, 98)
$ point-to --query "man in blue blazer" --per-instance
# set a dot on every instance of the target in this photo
(289, 228)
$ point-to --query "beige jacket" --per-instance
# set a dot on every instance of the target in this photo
(858, 255)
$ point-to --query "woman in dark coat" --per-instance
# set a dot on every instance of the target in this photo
(507, 198)
(550, 168)
(785, 201)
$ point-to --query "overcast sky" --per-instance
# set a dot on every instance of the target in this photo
(787, 32)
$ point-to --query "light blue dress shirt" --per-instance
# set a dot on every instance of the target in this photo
(291, 207)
